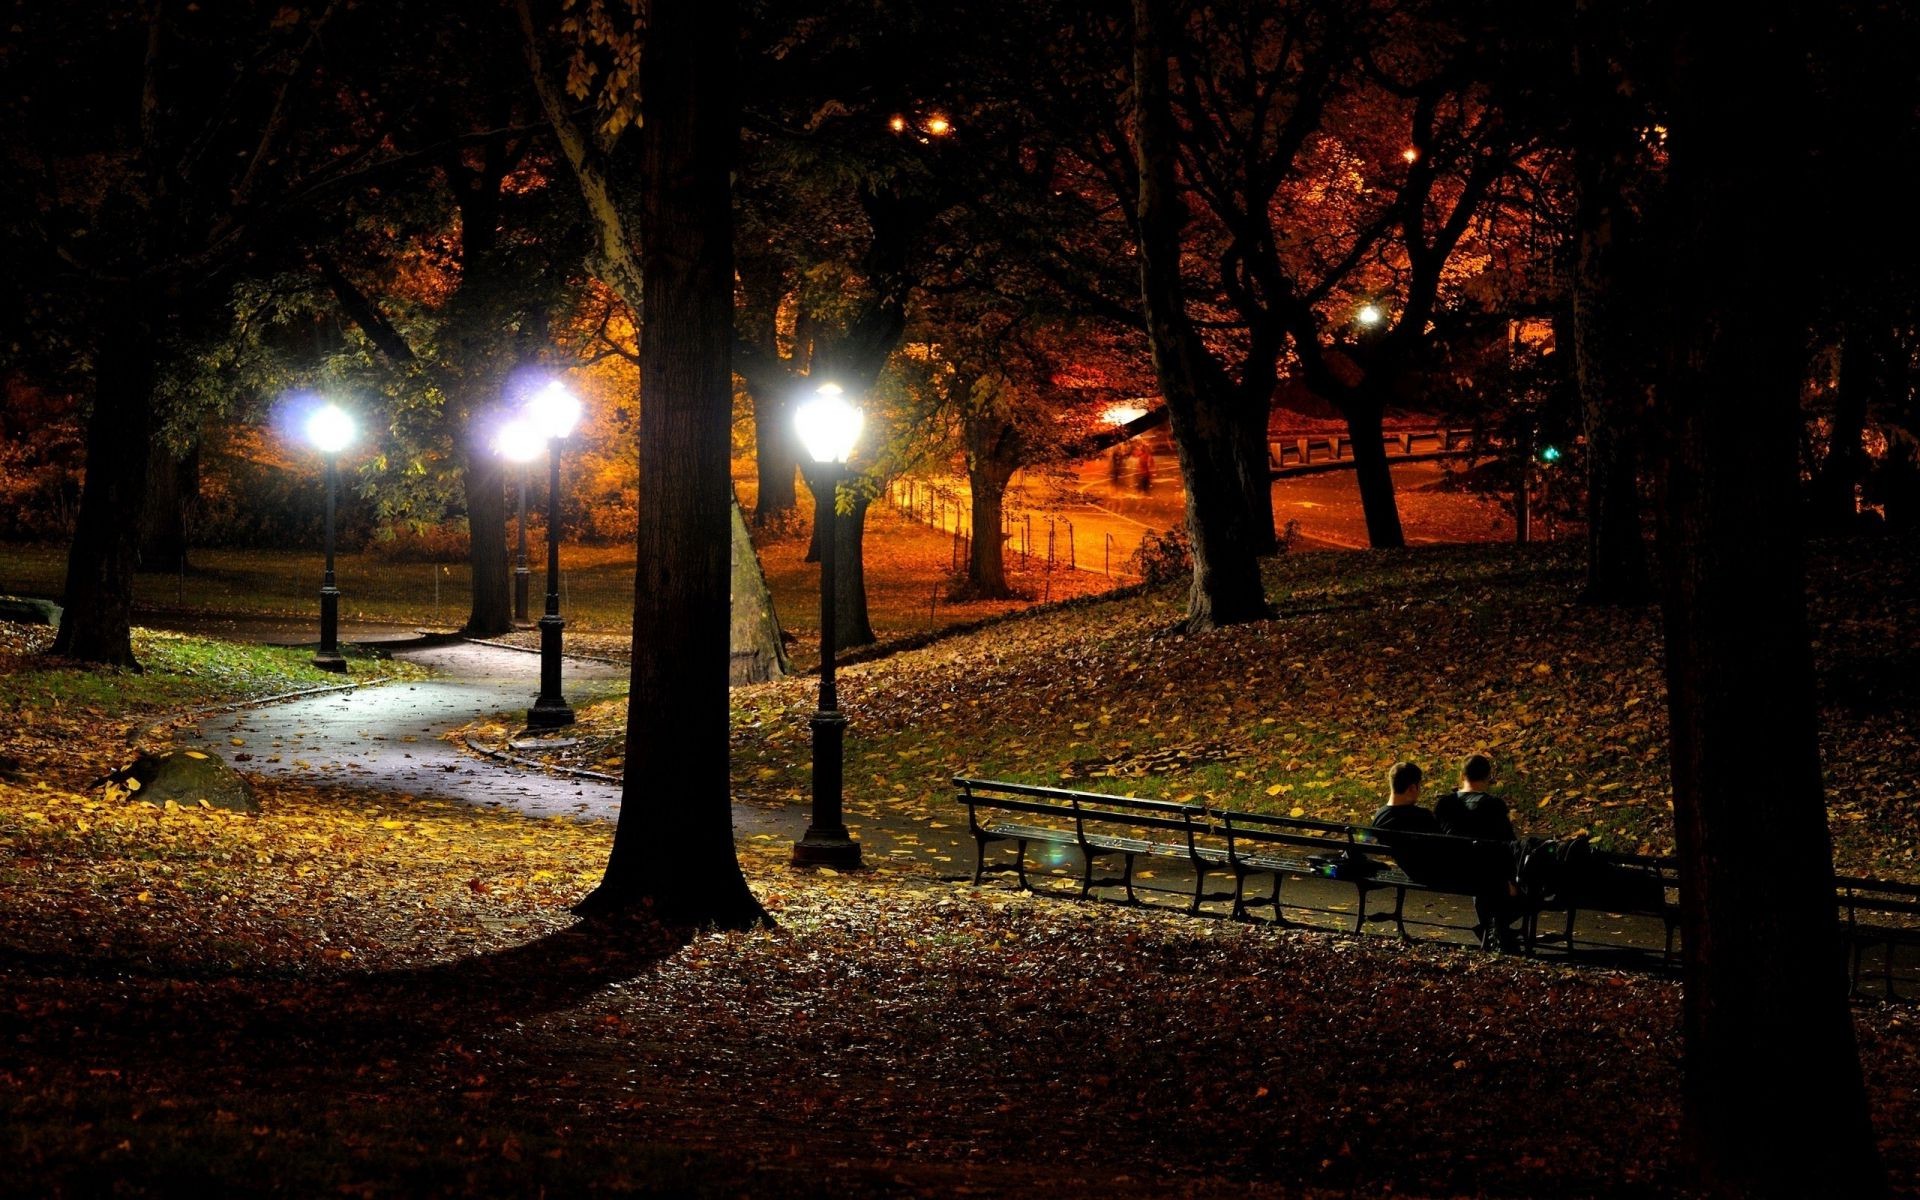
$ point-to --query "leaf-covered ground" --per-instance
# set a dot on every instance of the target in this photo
(1427, 654)
(363, 994)
(386, 997)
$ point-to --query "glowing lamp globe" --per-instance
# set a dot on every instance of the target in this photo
(330, 428)
(1369, 315)
(553, 411)
(828, 424)
(518, 441)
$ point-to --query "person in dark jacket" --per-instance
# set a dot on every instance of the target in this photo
(1473, 811)
(1419, 843)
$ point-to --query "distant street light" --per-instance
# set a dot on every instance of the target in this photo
(520, 443)
(552, 413)
(330, 430)
(1369, 315)
(828, 425)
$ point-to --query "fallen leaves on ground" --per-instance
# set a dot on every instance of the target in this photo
(1427, 654)
(388, 996)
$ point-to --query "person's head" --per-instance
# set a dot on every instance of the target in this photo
(1476, 772)
(1403, 781)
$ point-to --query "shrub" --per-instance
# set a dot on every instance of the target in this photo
(1163, 557)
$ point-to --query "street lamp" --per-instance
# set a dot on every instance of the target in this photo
(1369, 315)
(828, 425)
(330, 429)
(519, 442)
(552, 413)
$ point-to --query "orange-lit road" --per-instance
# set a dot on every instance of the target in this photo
(1325, 505)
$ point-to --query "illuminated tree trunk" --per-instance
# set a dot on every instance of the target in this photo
(993, 449)
(775, 462)
(1366, 425)
(755, 654)
(851, 626)
(491, 612)
(769, 378)
(673, 848)
(1226, 571)
(1774, 1102)
(98, 599)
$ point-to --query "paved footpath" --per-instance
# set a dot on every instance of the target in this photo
(392, 737)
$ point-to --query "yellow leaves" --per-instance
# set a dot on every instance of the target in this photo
(1296, 811)
(1276, 789)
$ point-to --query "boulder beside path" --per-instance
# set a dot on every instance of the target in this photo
(186, 777)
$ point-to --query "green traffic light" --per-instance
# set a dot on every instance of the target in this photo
(1550, 454)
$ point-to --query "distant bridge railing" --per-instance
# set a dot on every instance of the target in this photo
(1334, 451)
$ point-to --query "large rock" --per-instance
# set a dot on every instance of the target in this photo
(24, 611)
(186, 777)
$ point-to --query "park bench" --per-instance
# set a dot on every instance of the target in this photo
(1662, 877)
(1244, 844)
(1100, 827)
(1877, 912)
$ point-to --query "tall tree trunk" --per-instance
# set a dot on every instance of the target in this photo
(1366, 425)
(1256, 477)
(491, 612)
(1774, 1102)
(987, 549)
(852, 628)
(673, 847)
(98, 600)
(774, 456)
(1861, 372)
(1226, 570)
(1604, 375)
(173, 483)
(993, 449)
(755, 653)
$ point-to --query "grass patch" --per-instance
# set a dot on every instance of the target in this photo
(1428, 654)
(66, 718)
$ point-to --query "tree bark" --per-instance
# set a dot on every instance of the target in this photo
(774, 456)
(1256, 476)
(1226, 570)
(1366, 425)
(1774, 1101)
(484, 477)
(993, 454)
(98, 599)
(769, 379)
(173, 483)
(852, 628)
(755, 653)
(673, 847)
(1833, 493)
(1605, 377)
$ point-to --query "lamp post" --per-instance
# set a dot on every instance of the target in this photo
(330, 430)
(828, 425)
(519, 443)
(552, 412)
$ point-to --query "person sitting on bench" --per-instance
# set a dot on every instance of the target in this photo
(1419, 843)
(1473, 811)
